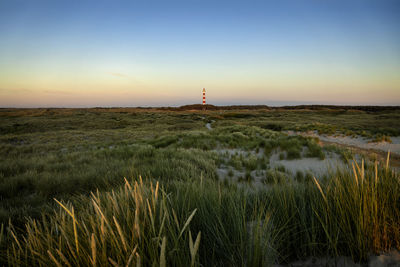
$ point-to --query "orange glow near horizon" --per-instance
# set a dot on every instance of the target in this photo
(64, 54)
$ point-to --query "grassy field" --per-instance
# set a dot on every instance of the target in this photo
(157, 197)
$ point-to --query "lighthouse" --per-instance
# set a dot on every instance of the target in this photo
(204, 96)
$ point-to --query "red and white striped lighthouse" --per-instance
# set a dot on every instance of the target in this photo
(204, 96)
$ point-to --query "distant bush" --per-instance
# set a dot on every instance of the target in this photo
(250, 163)
(164, 141)
(238, 115)
(274, 177)
(382, 138)
(293, 153)
(315, 151)
(273, 126)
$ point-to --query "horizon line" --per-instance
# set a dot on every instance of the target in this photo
(210, 105)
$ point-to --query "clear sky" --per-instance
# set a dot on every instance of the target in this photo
(70, 53)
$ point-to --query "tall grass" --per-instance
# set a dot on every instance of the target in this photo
(354, 213)
(46, 154)
(133, 226)
(235, 226)
(141, 224)
(366, 206)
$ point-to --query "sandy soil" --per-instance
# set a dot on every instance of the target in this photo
(359, 141)
(313, 165)
(389, 259)
(232, 151)
(208, 125)
(223, 170)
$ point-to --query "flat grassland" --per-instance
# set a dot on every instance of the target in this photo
(138, 186)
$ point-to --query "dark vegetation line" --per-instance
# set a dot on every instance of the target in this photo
(368, 108)
(298, 107)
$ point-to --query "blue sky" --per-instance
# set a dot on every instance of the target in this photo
(131, 53)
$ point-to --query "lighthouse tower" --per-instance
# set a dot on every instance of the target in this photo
(204, 96)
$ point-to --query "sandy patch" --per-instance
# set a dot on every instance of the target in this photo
(208, 125)
(359, 141)
(315, 166)
(238, 176)
(388, 259)
(229, 152)
(322, 262)
(391, 258)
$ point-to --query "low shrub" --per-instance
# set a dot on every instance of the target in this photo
(293, 153)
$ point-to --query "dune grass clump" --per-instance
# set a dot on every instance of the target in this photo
(197, 139)
(353, 213)
(268, 148)
(236, 162)
(273, 126)
(173, 164)
(264, 163)
(290, 142)
(164, 141)
(235, 227)
(303, 177)
(308, 177)
(140, 224)
(280, 168)
(315, 151)
(381, 138)
(246, 178)
(250, 162)
(30, 183)
(134, 225)
(346, 155)
(274, 177)
(299, 176)
(293, 153)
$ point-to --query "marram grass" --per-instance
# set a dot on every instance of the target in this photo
(132, 226)
(354, 212)
(142, 225)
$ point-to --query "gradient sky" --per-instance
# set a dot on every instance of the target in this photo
(161, 53)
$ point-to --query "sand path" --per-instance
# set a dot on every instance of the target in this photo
(358, 142)
(208, 125)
